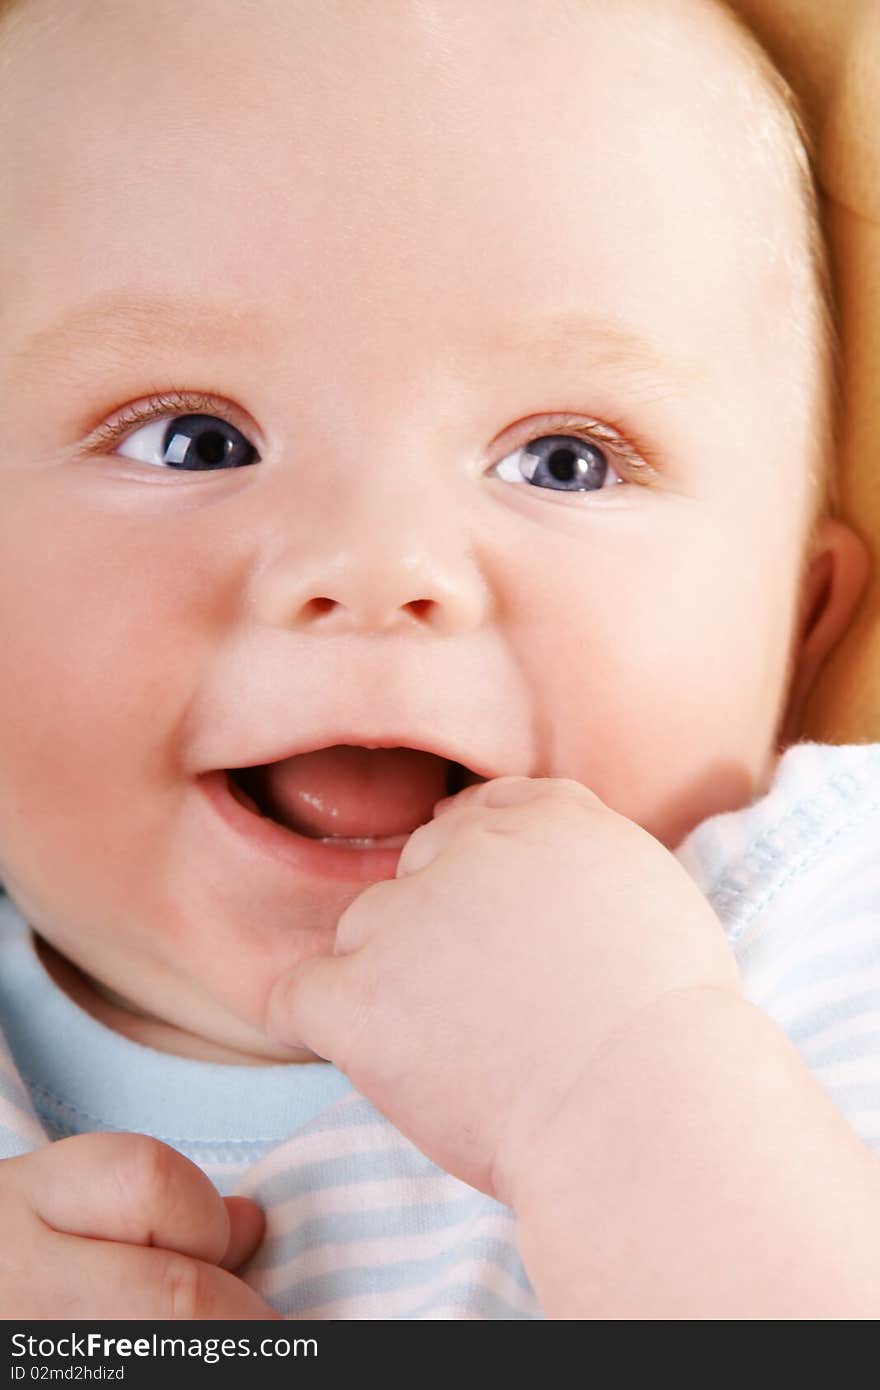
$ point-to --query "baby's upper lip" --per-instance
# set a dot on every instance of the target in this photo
(454, 751)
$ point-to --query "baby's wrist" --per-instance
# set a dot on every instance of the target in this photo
(677, 1032)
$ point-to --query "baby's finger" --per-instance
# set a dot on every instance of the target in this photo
(512, 791)
(106, 1279)
(366, 914)
(454, 812)
(476, 792)
(319, 1006)
(247, 1226)
(430, 839)
(126, 1187)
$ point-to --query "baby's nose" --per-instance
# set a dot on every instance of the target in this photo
(398, 577)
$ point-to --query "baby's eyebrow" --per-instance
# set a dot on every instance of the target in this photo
(116, 328)
(111, 331)
(597, 341)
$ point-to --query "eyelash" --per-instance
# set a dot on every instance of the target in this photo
(637, 458)
(164, 403)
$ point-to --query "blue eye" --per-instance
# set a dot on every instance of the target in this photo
(197, 441)
(190, 443)
(561, 462)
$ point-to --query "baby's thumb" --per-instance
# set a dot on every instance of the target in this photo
(246, 1227)
(314, 1005)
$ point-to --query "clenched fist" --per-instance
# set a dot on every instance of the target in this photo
(122, 1226)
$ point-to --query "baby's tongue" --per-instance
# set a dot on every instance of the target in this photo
(355, 792)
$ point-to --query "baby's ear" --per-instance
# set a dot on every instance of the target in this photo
(836, 577)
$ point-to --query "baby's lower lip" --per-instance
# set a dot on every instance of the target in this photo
(359, 859)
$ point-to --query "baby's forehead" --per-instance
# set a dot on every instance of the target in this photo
(580, 151)
(674, 63)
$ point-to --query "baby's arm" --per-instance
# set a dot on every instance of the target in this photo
(701, 1172)
(122, 1226)
(547, 1005)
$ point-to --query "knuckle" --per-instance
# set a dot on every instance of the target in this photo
(185, 1293)
(145, 1171)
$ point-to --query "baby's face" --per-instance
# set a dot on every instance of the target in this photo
(389, 246)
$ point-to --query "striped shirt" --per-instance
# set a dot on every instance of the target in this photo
(359, 1224)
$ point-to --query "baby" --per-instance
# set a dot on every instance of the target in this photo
(415, 555)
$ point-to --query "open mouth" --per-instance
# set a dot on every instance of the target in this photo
(350, 796)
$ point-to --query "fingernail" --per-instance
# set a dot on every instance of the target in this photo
(509, 791)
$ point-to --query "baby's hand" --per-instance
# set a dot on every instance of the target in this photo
(122, 1226)
(468, 998)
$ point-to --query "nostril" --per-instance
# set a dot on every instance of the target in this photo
(317, 607)
(420, 607)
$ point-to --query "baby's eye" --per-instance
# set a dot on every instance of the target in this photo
(558, 461)
(190, 443)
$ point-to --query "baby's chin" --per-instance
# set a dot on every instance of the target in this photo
(127, 1018)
